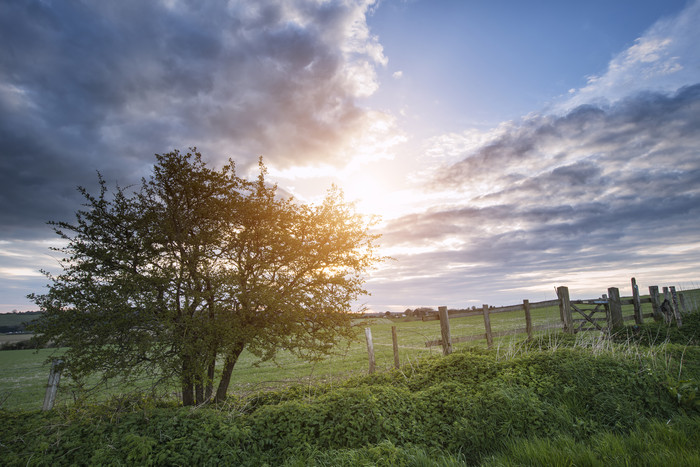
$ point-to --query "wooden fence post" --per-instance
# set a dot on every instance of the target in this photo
(615, 318)
(636, 302)
(528, 318)
(655, 302)
(668, 314)
(52, 385)
(565, 309)
(487, 326)
(370, 349)
(445, 331)
(676, 307)
(395, 342)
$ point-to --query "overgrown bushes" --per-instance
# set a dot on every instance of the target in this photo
(474, 406)
(655, 332)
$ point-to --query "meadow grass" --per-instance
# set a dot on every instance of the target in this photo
(558, 399)
(12, 338)
(24, 373)
(23, 378)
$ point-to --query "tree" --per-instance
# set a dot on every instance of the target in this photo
(178, 277)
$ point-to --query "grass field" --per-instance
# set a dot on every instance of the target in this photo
(23, 378)
(584, 399)
(24, 373)
(11, 338)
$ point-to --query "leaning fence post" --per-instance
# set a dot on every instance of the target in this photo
(565, 309)
(487, 326)
(52, 385)
(395, 343)
(655, 302)
(668, 314)
(528, 318)
(370, 349)
(676, 308)
(445, 331)
(615, 318)
(636, 302)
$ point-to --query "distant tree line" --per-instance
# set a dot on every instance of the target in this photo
(426, 311)
(17, 321)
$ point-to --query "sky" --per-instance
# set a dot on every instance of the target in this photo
(509, 147)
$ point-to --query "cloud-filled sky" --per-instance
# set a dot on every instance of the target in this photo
(510, 147)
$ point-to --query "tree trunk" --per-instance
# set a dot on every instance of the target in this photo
(210, 382)
(210, 379)
(187, 384)
(214, 351)
(187, 393)
(230, 362)
(199, 392)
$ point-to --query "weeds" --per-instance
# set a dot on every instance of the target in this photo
(555, 400)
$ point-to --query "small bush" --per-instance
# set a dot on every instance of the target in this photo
(658, 332)
(554, 403)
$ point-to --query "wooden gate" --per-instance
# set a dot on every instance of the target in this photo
(588, 310)
(609, 306)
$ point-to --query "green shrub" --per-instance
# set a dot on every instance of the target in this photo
(355, 417)
(658, 332)
(464, 408)
(498, 415)
(470, 367)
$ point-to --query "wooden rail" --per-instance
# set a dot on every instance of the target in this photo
(611, 304)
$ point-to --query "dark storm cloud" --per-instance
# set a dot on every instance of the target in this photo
(599, 187)
(105, 85)
(640, 129)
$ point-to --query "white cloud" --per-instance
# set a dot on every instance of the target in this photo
(664, 58)
(586, 199)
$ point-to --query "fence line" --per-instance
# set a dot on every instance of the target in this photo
(669, 310)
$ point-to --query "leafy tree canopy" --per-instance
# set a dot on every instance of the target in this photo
(178, 277)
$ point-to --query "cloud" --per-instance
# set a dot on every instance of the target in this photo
(596, 189)
(665, 58)
(643, 134)
(21, 262)
(103, 86)
(602, 186)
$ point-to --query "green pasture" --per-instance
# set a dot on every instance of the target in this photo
(12, 338)
(23, 378)
(24, 373)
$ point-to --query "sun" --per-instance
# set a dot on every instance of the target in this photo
(368, 193)
(378, 189)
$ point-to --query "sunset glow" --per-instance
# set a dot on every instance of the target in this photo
(508, 147)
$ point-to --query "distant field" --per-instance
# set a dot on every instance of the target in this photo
(23, 373)
(13, 322)
(9, 338)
